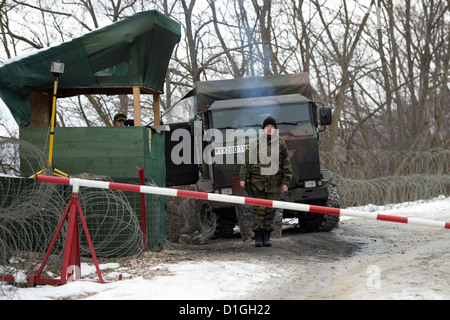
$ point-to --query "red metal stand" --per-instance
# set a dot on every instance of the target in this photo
(71, 269)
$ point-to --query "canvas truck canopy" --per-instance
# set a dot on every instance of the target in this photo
(206, 92)
(133, 52)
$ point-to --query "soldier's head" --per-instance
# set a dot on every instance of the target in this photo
(269, 125)
(119, 120)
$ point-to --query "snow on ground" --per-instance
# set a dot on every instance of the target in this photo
(190, 281)
(197, 280)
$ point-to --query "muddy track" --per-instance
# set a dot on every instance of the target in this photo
(358, 260)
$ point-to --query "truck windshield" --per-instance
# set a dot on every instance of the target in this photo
(254, 116)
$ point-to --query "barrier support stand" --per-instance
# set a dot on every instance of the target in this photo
(71, 269)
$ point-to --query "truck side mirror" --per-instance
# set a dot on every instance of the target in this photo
(326, 117)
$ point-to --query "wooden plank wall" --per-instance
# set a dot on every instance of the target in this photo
(110, 151)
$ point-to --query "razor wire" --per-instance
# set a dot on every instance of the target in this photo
(27, 208)
(112, 221)
(30, 212)
(366, 165)
(387, 177)
(392, 190)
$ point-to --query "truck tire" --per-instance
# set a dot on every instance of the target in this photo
(318, 222)
(205, 218)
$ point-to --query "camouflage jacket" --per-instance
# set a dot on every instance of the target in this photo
(253, 169)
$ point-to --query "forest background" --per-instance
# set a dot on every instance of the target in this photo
(382, 66)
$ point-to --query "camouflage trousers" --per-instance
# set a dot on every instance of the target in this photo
(263, 217)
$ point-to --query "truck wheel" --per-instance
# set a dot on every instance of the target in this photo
(315, 222)
(205, 218)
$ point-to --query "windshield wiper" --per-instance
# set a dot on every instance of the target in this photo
(251, 125)
(294, 123)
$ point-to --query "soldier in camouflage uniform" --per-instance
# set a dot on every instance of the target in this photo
(266, 186)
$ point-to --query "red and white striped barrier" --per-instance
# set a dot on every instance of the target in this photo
(239, 200)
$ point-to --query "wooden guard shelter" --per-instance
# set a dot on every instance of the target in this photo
(127, 57)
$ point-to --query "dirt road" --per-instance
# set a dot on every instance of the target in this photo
(360, 259)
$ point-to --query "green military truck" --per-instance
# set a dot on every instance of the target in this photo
(227, 112)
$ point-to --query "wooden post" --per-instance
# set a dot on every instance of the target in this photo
(41, 109)
(137, 105)
(156, 108)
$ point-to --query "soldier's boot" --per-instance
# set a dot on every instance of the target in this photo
(266, 238)
(258, 238)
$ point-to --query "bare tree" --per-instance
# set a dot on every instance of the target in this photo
(413, 49)
(385, 76)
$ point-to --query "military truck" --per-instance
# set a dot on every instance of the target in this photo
(232, 108)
